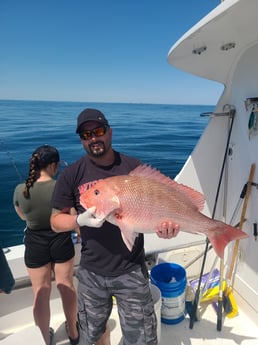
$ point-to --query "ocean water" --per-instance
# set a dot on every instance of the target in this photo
(158, 134)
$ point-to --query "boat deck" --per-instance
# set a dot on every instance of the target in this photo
(240, 330)
(17, 325)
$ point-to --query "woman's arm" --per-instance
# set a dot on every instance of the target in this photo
(19, 212)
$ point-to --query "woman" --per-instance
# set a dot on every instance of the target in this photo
(46, 250)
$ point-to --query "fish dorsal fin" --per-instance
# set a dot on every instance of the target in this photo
(149, 172)
(86, 186)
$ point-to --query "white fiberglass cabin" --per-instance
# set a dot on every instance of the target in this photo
(224, 47)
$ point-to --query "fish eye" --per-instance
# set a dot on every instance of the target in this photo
(96, 192)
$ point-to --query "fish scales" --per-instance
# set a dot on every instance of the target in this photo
(144, 202)
(141, 201)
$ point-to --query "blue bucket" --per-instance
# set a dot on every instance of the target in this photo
(170, 278)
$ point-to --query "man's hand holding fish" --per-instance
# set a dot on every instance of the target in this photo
(168, 230)
(87, 218)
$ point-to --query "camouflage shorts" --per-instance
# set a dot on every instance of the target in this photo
(134, 304)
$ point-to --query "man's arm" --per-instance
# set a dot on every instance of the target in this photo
(62, 220)
(65, 220)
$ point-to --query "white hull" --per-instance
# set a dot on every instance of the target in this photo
(232, 23)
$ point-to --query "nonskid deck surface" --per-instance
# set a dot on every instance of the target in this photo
(17, 325)
(240, 330)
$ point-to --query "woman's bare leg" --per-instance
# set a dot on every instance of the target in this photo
(41, 284)
(64, 282)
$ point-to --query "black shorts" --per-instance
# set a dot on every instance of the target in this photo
(44, 246)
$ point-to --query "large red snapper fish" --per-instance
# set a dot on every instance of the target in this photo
(140, 201)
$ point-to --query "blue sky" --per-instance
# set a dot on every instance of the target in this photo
(99, 50)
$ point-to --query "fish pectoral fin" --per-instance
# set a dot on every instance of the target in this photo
(128, 237)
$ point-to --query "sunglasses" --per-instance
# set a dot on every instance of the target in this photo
(98, 132)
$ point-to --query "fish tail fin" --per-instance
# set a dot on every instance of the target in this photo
(222, 234)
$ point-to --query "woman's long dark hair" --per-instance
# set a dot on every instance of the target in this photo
(40, 159)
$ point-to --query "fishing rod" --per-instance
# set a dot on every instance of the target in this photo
(193, 317)
(62, 162)
(3, 144)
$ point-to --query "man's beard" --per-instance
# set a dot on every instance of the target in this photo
(97, 149)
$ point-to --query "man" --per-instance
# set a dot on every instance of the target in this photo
(107, 267)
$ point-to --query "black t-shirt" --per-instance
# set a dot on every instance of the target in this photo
(103, 249)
